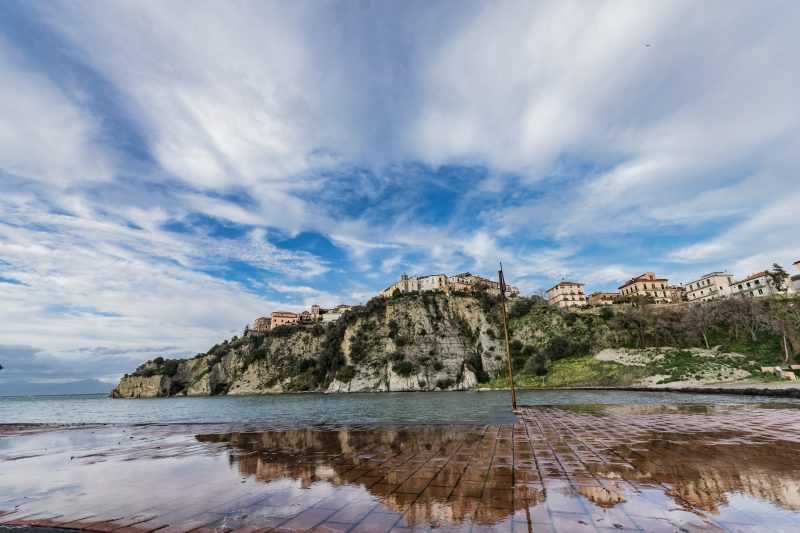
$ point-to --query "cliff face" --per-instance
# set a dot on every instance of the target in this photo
(414, 342)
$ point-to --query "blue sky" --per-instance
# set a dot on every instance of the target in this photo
(169, 171)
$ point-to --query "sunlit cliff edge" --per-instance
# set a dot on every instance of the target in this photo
(434, 341)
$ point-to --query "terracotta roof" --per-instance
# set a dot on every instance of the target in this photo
(570, 283)
(709, 275)
(752, 276)
(640, 278)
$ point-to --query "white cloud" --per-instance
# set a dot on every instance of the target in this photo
(587, 135)
(37, 117)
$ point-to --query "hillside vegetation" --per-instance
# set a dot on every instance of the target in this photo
(434, 341)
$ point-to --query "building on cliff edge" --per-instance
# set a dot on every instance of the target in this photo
(464, 282)
(647, 285)
(566, 294)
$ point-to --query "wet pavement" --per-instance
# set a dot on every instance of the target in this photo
(612, 468)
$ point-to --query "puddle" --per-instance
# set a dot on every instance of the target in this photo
(637, 468)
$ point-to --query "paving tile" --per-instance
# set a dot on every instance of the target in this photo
(354, 512)
(376, 523)
(307, 520)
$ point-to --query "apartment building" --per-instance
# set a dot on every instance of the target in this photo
(464, 282)
(754, 286)
(676, 293)
(566, 294)
(434, 282)
(261, 324)
(711, 286)
(647, 285)
(332, 315)
(597, 299)
(406, 284)
(280, 318)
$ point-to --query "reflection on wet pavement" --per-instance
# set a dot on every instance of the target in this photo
(621, 468)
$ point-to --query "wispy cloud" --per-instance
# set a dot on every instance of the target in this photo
(166, 180)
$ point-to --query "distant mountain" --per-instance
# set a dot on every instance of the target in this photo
(84, 386)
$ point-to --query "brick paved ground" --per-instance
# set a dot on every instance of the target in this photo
(664, 468)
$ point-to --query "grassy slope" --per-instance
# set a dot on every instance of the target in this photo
(677, 364)
(576, 372)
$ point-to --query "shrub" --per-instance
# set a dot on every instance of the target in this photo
(393, 328)
(346, 374)
(520, 308)
(444, 383)
(404, 368)
(536, 365)
(171, 367)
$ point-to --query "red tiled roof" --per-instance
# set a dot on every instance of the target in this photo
(569, 283)
(640, 278)
(752, 276)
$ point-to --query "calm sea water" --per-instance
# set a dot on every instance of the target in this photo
(312, 409)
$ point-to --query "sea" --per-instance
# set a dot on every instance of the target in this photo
(298, 410)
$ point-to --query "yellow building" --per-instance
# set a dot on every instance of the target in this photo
(602, 298)
(280, 318)
(567, 294)
(406, 284)
(464, 282)
(647, 285)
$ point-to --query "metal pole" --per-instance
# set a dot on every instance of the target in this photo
(505, 331)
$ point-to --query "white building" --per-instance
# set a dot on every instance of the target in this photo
(434, 282)
(711, 286)
(754, 286)
(794, 281)
(566, 294)
(464, 282)
(648, 285)
(406, 284)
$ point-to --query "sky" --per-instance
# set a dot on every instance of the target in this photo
(169, 171)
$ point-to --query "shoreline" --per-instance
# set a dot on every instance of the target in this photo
(740, 389)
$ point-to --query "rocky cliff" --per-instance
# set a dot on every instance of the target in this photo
(434, 341)
(408, 343)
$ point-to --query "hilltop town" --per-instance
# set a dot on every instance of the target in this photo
(648, 288)
(464, 283)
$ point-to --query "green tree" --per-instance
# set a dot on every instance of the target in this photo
(778, 276)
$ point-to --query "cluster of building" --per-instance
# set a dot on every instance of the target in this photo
(464, 282)
(315, 314)
(711, 286)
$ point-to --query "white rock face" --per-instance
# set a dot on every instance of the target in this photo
(142, 387)
(430, 342)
